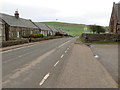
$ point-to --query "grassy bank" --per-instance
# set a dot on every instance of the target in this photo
(72, 29)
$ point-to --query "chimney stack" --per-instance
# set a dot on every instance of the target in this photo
(16, 14)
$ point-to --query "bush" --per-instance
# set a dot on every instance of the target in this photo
(37, 35)
(97, 29)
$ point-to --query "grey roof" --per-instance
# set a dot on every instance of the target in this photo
(20, 22)
(53, 29)
(64, 32)
(42, 26)
(58, 30)
(1, 22)
(117, 11)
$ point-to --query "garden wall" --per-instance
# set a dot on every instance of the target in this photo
(100, 37)
(26, 40)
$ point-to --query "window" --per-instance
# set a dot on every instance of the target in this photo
(18, 34)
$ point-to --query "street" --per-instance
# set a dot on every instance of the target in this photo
(58, 63)
(26, 67)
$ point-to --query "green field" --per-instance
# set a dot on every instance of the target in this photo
(72, 29)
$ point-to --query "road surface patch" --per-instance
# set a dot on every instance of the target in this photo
(44, 79)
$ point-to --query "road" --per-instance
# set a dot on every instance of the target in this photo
(30, 66)
(58, 63)
(108, 56)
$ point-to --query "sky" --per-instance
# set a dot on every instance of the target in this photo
(72, 11)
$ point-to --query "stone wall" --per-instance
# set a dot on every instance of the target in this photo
(2, 31)
(27, 40)
(100, 37)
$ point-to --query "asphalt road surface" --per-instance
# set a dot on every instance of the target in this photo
(58, 63)
(30, 66)
(108, 56)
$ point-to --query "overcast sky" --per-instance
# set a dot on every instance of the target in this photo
(72, 11)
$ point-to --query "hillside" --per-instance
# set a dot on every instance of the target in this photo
(72, 29)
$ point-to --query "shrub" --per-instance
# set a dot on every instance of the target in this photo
(37, 35)
(97, 29)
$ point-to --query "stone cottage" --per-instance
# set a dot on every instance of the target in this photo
(13, 27)
(54, 30)
(2, 30)
(45, 30)
(114, 25)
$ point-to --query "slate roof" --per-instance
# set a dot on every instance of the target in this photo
(42, 26)
(53, 29)
(58, 30)
(117, 11)
(20, 22)
(1, 22)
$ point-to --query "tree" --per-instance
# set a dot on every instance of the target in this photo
(97, 29)
(100, 29)
(92, 28)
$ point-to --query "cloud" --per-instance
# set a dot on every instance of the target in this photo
(74, 11)
(28, 11)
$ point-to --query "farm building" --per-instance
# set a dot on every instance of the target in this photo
(15, 27)
(114, 25)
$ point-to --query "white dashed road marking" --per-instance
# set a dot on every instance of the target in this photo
(66, 51)
(56, 63)
(63, 44)
(62, 56)
(67, 48)
(24, 54)
(44, 79)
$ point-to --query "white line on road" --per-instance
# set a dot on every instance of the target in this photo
(44, 79)
(9, 60)
(68, 48)
(62, 56)
(63, 44)
(24, 54)
(56, 63)
(16, 58)
(18, 48)
(66, 51)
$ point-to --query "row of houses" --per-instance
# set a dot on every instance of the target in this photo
(114, 25)
(12, 27)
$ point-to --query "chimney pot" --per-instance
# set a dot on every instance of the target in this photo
(16, 14)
